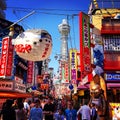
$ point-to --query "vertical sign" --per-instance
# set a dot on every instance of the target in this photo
(85, 51)
(30, 72)
(60, 70)
(63, 71)
(6, 57)
(73, 65)
(66, 73)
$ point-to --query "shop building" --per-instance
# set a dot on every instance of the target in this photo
(106, 33)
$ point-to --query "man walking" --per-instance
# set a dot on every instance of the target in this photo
(85, 111)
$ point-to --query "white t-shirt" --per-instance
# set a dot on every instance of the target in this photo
(26, 105)
(85, 112)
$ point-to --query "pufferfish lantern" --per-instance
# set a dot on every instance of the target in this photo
(33, 45)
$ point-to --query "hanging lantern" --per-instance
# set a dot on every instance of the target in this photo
(33, 45)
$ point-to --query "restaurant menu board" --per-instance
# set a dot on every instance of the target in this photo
(115, 111)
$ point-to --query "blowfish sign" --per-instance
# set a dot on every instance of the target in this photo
(33, 45)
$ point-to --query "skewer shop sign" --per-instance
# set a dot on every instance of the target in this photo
(6, 85)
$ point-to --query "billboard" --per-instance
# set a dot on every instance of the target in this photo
(30, 72)
(85, 50)
(73, 65)
(64, 71)
(6, 58)
(112, 76)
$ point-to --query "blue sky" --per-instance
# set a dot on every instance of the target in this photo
(48, 15)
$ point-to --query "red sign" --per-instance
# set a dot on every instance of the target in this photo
(30, 71)
(39, 78)
(85, 51)
(6, 57)
(44, 86)
(23, 48)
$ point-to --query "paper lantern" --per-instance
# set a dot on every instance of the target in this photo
(33, 45)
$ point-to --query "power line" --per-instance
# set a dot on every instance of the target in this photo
(50, 11)
(45, 9)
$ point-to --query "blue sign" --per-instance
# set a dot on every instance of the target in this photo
(112, 76)
(70, 86)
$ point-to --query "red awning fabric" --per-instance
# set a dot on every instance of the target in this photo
(14, 95)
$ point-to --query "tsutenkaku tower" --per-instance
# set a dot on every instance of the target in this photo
(64, 30)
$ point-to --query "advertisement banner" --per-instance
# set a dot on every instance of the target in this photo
(40, 79)
(112, 76)
(20, 87)
(85, 50)
(44, 86)
(8, 86)
(30, 72)
(115, 111)
(6, 58)
(64, 72)
(73, 65)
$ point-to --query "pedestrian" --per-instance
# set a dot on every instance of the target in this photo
(8, 112)
(70, 112)
(85, 111)
(26, 105)
(36, 112)
(93, 112)
(15, 105)
(49, 109)
(20, 112)
(59, 114)
(79, 116)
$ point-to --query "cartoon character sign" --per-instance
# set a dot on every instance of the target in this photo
(33, 45)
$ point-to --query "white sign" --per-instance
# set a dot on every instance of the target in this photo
(20, 88)
(18, 80)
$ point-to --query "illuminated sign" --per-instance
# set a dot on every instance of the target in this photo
(18, 80)
(6, 85)
(20, 87)
(66, 73)
(85, 50)
(44, 86)
(39, 78)
(112, 76)
(30, 72)
(73, 65)
(6, 57)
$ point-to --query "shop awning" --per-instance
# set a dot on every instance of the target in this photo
(113, 85)
(109, 85)
(14, 95)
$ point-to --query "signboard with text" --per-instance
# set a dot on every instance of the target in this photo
(85, 50)
(20, 88)
(73, 65)
(7, 86)
(112, 76)
(6, 58)
(30, 72)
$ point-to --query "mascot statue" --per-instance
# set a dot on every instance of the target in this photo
(99, 97)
